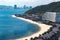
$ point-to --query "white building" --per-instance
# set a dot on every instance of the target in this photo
(51, 16)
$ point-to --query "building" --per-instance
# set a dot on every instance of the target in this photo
(15, 6)
(52, 16)
(24, 6)
(30, 7)
(27, 7)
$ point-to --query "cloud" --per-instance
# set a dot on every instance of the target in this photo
(25, 2)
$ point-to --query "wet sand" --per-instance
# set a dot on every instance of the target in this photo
(43, 28)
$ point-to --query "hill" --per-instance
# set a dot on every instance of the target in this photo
(52, 7)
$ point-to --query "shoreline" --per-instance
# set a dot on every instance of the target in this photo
(43, 28)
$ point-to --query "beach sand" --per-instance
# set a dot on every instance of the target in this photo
(43, 28)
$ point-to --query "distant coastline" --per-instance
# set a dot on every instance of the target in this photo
(15, 7)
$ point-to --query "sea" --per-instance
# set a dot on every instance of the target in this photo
(13, 28)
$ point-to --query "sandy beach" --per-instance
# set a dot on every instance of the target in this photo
(43, 28)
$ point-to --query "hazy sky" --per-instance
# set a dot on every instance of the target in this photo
(26, 2)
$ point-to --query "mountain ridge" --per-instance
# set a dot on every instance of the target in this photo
(52, 7)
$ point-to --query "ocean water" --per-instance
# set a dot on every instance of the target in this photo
(12, 28)
(12, 11)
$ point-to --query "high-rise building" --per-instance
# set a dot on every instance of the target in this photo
(24, 7)
(15, 6)
(30, 6)
(52, 16)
